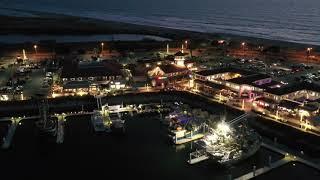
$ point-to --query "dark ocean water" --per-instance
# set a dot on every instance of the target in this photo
(288, 20)
(143, 153)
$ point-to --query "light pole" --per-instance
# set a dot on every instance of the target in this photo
(35, 48)
(102, 44)
(186, 42)
(243, 44)
(308, 52)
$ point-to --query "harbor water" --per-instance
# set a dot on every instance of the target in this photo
(143, 152)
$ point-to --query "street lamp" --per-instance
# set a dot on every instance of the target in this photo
(102, 44)
(186, 42)
(35, 48)
(243, 44)
(309, 51)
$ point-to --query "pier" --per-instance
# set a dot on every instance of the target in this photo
(16, 120)
(189, 139)
(60, 128)
(287, 158)
(265, 169)
(197, 156)
(37, 117)
(12, 129)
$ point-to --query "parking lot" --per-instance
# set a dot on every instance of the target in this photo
(21, 82)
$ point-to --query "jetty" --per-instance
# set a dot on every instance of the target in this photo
(60, 130)
(9, 136)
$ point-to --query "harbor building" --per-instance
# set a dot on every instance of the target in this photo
(90, 77)
(97, 72)
(241, 84)
(168, 72)
(297, 103)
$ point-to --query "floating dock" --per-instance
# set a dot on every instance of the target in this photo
(197, 156)
(60, 131)
(265, 169)
(287, 158)
(189, 139)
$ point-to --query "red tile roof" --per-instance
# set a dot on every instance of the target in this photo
(171, 68)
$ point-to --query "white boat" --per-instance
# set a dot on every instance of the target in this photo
(117, 122)
(227, 145)
(98, 123)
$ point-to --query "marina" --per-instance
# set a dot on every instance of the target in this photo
(79, 141)
(60, 129)
(223, 144)
(181, 114)
(159, 90)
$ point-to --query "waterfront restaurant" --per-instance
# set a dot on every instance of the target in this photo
(297, 92)
(265, 103)
(94, 72)
(289, 107)
(221, 74)
(164, 73)
(249, 86)
(79, 88)
(207, 88)
(87, 77)
(246, 84)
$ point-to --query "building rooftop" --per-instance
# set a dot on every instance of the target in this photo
(76, 85)
(309, 107)
(289, 104)
(188, 61)
(267, 100)
(210, 72)
(172, 68)
(139, 69)
(144, 61)
(210, 84)
(179, 53)
(293, 88)
(271, 85)
(250, 79)
(92, 69)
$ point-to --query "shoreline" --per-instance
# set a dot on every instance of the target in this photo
(57, 24)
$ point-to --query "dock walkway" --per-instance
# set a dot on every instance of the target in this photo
(8, 138)
(287, 158)
(189, 139)
(60, 131)
(265, 169)
(197, 156)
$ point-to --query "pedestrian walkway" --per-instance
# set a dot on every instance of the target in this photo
(287, 158)
(12, 129)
